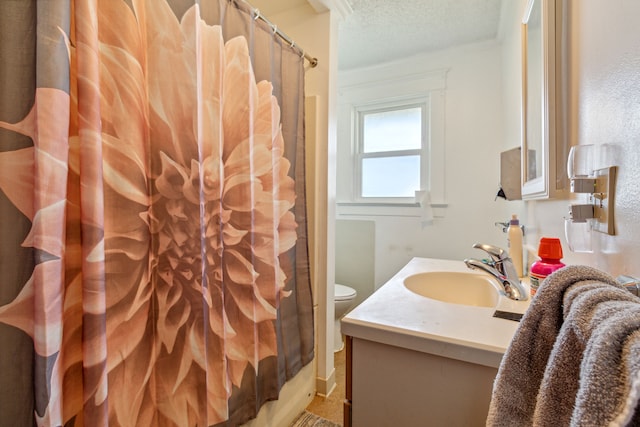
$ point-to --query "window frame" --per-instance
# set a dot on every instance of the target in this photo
(360, 111)
(375, 86)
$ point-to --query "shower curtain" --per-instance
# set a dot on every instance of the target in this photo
(153, 253)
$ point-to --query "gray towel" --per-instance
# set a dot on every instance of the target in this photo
(587, 310)
(522, 369)
(609, 388)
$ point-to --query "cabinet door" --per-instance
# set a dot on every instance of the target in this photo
(391, 386)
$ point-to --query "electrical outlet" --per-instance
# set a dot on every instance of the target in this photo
(604, 200)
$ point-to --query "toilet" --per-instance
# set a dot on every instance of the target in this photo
(344, 298)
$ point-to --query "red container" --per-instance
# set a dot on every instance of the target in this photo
(550, 253)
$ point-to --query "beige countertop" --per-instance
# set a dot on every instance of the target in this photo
(394, 315)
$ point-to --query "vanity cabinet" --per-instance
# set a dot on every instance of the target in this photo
(413, 360)
(393, 386)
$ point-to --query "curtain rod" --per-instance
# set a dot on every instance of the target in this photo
(256, 15)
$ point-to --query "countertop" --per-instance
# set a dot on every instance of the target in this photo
(394, 315)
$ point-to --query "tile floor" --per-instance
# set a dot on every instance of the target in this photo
(331, 407)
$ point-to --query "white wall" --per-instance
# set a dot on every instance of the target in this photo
(603, 88)
(483, 118)
(473, 141)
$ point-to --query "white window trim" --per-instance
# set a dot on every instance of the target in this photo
(419, 87)
(359, 154)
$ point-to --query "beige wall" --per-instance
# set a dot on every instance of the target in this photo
(603, 91)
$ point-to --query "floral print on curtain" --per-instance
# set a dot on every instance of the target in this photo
(164, 226)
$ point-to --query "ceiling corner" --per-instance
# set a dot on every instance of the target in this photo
(342, 7)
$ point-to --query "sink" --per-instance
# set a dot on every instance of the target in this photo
(454, 287)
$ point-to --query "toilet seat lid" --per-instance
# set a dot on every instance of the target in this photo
(341, 292)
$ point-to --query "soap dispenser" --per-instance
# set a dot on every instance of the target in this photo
(514, 237)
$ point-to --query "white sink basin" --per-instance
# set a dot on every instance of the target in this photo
(478, 290)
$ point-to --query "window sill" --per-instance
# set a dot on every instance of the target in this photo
(414, 210)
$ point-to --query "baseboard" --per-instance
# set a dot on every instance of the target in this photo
(324, 386)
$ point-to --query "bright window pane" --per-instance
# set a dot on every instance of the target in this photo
(390, 176)
(392, 130)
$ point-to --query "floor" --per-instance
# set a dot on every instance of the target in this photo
(331, 407)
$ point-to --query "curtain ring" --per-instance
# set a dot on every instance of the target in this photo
(293, 44)
(274, 27)
(301, 53)
(257, 14)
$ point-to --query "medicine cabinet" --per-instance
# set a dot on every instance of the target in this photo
(544, 147)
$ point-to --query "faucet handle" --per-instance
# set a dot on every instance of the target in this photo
(503, 225)
(497, 254)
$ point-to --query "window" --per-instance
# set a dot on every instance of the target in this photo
(390, 153)
(391, 143)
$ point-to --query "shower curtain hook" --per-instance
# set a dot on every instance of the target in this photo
(274, 27)
(301, 53)
(293, 44)
(257, 14)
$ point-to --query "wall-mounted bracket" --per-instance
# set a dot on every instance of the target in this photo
(594, 190)
(581, 213)
(603, 200)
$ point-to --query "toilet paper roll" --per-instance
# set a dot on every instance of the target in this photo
(423, 199)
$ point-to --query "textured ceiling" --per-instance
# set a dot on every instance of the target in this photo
(384, 30)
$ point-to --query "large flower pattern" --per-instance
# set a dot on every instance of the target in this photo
(158, 318)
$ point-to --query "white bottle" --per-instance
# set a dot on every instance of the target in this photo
(514, 237)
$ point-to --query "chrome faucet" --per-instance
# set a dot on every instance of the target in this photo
(501, 267)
